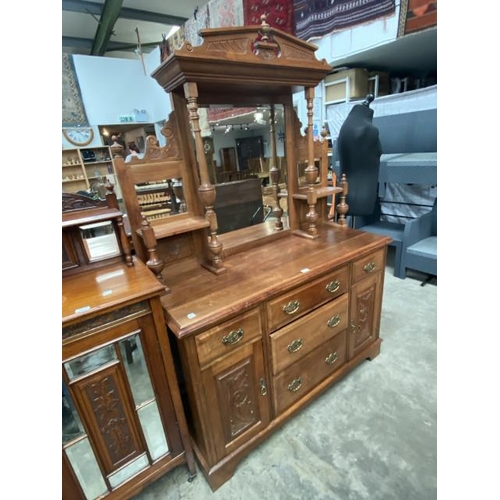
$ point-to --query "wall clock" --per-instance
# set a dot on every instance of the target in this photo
(79, 136)
(208, 145)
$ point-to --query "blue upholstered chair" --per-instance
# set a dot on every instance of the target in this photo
(419, 251)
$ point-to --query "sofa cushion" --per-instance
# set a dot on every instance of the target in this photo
(424, 248)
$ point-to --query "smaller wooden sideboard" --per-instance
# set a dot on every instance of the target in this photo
(123, 422)
(256, 344)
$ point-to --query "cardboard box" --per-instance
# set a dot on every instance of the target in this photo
(380, 81)
(345, 85)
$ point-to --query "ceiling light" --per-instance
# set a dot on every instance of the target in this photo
(173, 29)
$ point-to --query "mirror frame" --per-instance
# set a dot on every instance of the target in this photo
(80, 210)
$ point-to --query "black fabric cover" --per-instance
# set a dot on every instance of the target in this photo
(359, 152)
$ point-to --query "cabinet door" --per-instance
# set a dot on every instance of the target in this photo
(237, 392)
(119, 425)
(366, 302)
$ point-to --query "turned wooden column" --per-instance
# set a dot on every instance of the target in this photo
(154, 263)
(311, 171)
(112, 202)
(206, 190)
(275, 175)
(343, 207)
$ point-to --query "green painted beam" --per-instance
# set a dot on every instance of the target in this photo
(109, 16)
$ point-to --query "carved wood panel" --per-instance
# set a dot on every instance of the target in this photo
(112, 424)
(238, 399)
(365, 304)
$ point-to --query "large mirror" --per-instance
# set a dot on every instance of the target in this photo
(241, 144)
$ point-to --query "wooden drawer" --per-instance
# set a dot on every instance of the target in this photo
(295, 341)
(370, 264)
(228, 336)
(294, 304)
(298, 379)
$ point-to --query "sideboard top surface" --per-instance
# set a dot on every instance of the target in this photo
(98, 290)
(200, 299)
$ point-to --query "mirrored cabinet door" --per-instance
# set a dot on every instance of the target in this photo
(116, 425)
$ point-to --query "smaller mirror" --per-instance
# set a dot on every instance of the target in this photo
(100, 241)
(161, 199)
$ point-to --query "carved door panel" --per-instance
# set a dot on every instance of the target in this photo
(364, 313)
(237, 385)
(118, 422)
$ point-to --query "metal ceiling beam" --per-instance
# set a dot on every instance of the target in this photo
(152, 17)
(110, 14)
(86, 43)
(120, 46)
(77, 43)
(82, 6)
(94, 8)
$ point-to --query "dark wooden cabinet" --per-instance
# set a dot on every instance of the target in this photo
(248, 148)
(228, 160)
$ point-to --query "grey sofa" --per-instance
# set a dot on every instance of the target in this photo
(419, 251)
(409, 156)
(409, 148)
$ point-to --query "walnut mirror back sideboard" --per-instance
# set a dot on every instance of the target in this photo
(264, 318)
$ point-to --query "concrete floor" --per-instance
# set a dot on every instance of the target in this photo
(372, 436)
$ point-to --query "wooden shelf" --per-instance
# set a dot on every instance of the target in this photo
(90, 163)
(73, 180)
(83, 168)
(320, 192)
(170, 226)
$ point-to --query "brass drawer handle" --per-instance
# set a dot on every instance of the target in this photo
(333, 286)
(334, 321)
(292, 307)
(331, 358)
(263, 388)
(295, 385)
(369, 267)
(233, 337)
(295, 346)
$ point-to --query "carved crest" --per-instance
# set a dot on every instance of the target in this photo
(72, 201)
(170, 150)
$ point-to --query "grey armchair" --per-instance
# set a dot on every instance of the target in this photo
(419, 251)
